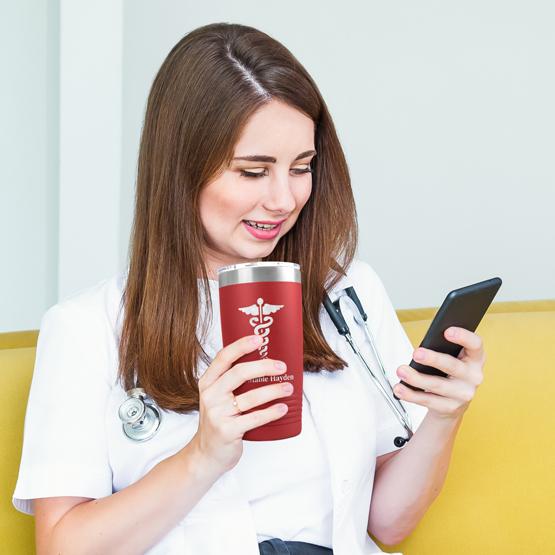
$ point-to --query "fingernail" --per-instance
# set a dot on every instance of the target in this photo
(280, 365)
(401, 373)
(287, 387)
(452, 332)
(420, 354)
(256, 339)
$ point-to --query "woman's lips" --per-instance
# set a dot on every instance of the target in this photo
(266, 221)
(262, 233)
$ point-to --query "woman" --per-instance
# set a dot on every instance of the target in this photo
(236, 132)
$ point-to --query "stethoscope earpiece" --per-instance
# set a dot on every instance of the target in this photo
(139, 415)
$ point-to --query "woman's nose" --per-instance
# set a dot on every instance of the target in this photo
(279, 195)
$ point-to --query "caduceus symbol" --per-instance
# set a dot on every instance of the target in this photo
(261, 321)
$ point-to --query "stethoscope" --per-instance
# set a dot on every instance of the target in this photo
(360, 317)
(141, 417)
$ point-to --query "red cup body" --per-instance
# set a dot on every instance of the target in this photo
(272, 310)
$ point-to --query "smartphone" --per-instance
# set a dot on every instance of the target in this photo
(463, 308)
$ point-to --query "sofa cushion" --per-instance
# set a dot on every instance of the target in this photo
(499, 488)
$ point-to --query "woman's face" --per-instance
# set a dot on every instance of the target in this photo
(272, 191)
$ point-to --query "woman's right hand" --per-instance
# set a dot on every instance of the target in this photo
(219, 438)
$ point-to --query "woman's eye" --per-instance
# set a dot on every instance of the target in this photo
(296, 171)
(245, 173)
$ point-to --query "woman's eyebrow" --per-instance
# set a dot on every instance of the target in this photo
(264, 158)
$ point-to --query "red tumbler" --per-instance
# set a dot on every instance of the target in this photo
(265, 298)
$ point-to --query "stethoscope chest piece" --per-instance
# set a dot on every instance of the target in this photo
(140, 415)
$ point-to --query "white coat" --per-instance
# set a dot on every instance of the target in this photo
(74, 445)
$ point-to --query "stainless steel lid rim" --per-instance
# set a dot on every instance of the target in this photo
(251, 272)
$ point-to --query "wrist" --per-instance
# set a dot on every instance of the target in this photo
(199, 465)
(444, 422)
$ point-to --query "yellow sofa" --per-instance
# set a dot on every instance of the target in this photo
(500, 488)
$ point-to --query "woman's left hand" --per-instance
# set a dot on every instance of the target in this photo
(445, 397)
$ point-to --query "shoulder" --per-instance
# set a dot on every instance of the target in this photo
(361, 271)
(79, 335)
(367, 285)
(363, 277)
(369, 288)
(94, 307)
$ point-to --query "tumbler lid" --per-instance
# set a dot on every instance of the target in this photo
(249, 272)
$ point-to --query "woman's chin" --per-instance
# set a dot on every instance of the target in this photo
(255, 252)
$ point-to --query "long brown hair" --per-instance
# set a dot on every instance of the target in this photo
(212, 80)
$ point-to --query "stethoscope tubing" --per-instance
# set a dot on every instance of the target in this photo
(360, 317)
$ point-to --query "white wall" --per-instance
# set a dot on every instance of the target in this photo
(444, 110)
(61, 152)
(446, 114)
(28, 161)
(90, 141)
